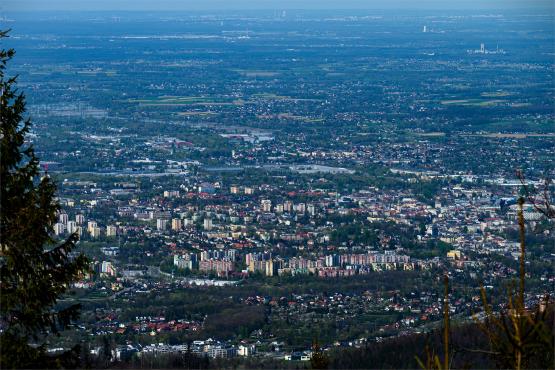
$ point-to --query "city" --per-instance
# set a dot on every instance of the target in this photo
(254, 188)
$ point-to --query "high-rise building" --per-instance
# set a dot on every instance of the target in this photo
(246, 350)
(311, 209)
(288, 206)
(80, 219)
(231, 254)
(208, 224)
(266, 205)
(95, 232)
(176, 224)
(107, 268)
(482, 48)
(171, 193)
(272, 267)
(59, 228)
(71, 227)
(91, 225)
(63, 218)
(161, 224)
(425, 29)
(185, 261)
(111, 230)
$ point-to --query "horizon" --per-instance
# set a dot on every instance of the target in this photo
(174, 5)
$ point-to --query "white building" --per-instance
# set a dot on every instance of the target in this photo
(266, 205)
(208, 224)
(59, 228)
(246, 350)
(161, 224)
(80, 219)
(63, 218)
(311, 209)
(71, 227)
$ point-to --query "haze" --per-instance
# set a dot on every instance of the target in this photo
(139, 5)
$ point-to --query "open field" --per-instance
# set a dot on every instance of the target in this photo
(474, 102)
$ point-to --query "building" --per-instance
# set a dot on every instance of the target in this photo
(220, 267)
(171, 193)
(288, 206)
(90, 226)
(80, 219)
(311, 209)
(107, 268)
(299, 356)
(63, 218)
(266, 205)
(454, 254)
(59, 228)
(208, 224)
(185, 261)
(271, 267)
(234, 189)
(71, 227)
(111, 230)
(332, 260)
(246, 350)
(176, 224)
(161, 224)
(206, 187)
(220, 351)
(249, 190)
(95, 232)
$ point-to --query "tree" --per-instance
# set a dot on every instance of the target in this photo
(433, 361)
(34, 270)
(319, 359)
(519, 337)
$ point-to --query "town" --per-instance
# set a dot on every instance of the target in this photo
(250, 188)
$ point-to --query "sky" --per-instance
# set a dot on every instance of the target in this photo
(169, 5)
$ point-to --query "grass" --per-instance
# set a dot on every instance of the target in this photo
(256, 73)
(473, 102)
(202, 114)
(171, 100)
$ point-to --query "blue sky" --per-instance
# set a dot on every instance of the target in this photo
(99, 5)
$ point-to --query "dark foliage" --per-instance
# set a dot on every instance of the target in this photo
(34, 271)
(400, 352)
